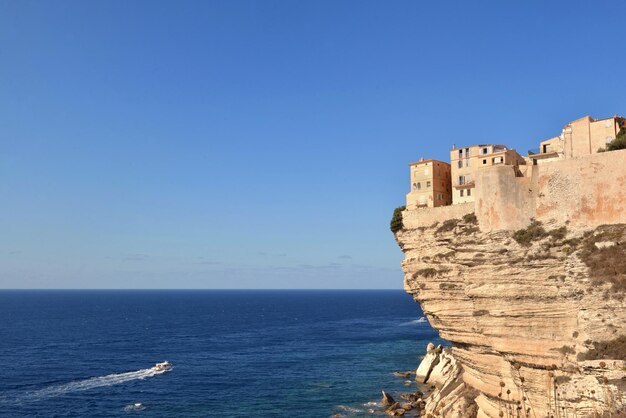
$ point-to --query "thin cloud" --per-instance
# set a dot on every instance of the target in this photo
(320, 266)
(135, 257)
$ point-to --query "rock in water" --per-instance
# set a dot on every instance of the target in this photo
(387, 399)
(393, 407)
(402, 374)
(431, 359)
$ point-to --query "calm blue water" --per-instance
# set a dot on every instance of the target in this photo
(235, 353)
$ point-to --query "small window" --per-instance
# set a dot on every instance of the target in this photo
(461, 193)
(419, 186)
(485, 150)
(467, 162)
(484, 161)
(414, 186)
(467, 153)
(427, 184)
(469, 192)
(460, 163)
(461, 180)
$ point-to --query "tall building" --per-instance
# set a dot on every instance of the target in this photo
(430, 184)
(465, 161)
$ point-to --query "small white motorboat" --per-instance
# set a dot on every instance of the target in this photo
(162, 367)
(135, 407)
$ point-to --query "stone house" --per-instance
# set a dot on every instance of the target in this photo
(430, 184)
(581, 137)
(466, 161)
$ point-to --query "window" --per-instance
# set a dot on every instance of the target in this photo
(467, 152)
(461, 153)
(427, 184)
(467, 162)
(469, 192)
(460, 163)
(414, 186)
(419, 186)
(485, 150)
(461, 193)
(461, 180)
(484, 162)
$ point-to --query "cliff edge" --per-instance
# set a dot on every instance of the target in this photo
(530, 290)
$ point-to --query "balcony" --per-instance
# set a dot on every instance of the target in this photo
(464, 185)
(537, 154)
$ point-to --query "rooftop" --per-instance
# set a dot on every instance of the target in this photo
(423, 161)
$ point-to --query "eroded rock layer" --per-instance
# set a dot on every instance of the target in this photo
(537, 318)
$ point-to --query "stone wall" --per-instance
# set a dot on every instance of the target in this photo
(426, 217)
(583, 192)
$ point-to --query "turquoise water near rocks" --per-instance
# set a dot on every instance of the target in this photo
(235, 353)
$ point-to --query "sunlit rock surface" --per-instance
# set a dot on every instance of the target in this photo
(526, 320)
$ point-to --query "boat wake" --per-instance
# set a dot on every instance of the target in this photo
(82, 385)
(414, 322)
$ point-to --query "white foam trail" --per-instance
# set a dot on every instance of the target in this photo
(87, 384)
(348, 409)
(413, 322)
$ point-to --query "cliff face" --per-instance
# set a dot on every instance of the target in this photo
(537, 318)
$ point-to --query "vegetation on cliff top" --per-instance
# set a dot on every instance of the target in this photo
(535, 231)
(470, 218)
(396, 220)
(448, 225)
(531, 233)
(468, 225)
(618, 143)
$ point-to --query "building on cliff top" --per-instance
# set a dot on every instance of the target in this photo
(581, 137)
(466, 161)
(430, 184)
(436, 183)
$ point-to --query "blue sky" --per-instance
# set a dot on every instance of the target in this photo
(264, 144)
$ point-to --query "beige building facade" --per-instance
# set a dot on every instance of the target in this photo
(430, 184)
(584, 136)
(466, 161)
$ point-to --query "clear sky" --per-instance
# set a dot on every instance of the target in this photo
(264, 144)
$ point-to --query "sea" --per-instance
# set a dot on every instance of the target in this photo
(240, 353)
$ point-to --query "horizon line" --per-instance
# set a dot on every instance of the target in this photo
(194, 289)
